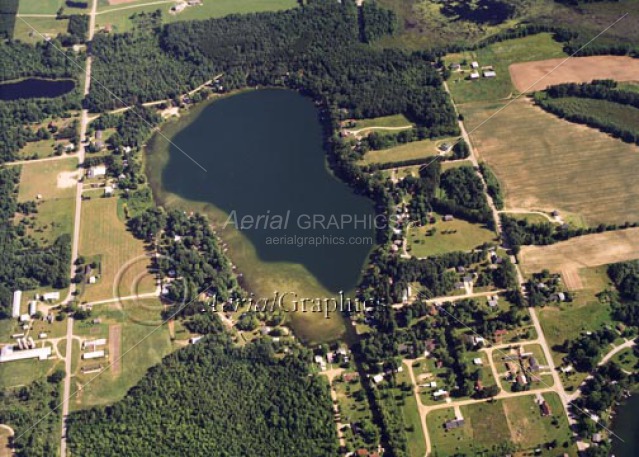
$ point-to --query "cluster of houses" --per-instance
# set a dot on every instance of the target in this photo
(100, 171)
(94, 349)
(339, 355)
(487, 71)
(521, 363)
(32, 309)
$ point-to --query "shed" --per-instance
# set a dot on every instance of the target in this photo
(17, 298)
(490, 74)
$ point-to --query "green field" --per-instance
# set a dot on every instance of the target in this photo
(500, 56)
(105, 237)
(627, 360)
(408, 151)
(396, 120)
(23, 372)
(48, 7)
(54, 182)
(353, 408)
(119, 16)
(455, 235)
(624, 116)
(531, 431)
(142, 346)
(546, 163)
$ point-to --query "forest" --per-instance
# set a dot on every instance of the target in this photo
(25, 264)
(316, 49)
(32, 411)
(616, 113)
(248, 401)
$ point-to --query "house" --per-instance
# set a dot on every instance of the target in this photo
(521, 379)
(499, 334)
(561, 296)
(17, 298)
(378, 378)
(97, 171)
(490, 74)
(492, 303)
(596, 438)
(479, 386)
(474, 75)
(448, 218)
(534, 365)
(32, 307)
(51, 296)
(441, 393)
(108, 191)
(453, 424)
(445, 147)
(93, 355)
(98, 134)
(478, 361)
(545, 409)
(474, 65)
(8, 354)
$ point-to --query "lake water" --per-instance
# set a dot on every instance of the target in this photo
(626, 427)
(265, 160)
(35, 88)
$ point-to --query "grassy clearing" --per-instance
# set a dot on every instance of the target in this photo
(141, 348)
(353, 408)
(455, 235)
(531, 431)
(23, 372)
(48, 7)
(572, 168)
(499, 56)
(55, 183)
(396, 120)
(408, 151)
(627, 360)
(105, 237)
(47, 26)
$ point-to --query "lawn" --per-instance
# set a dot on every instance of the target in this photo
(48, 7)
(410, 411)
(408, 151)
(627, 359)
(455, 235)
(396, 120)
(55, 183)
(448, 443)
(545, 163)
(142, 347)
(104, 236)
(23, 372)
(499, 56)
(531, 431)
(47, 26)
(353, 408)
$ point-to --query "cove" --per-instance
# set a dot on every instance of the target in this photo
(35, 88)
(626, 428)
(290, 224)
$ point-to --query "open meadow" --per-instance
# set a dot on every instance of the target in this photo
(55, 183)
(408, 151)
(132, 348)
(48, 7)
(104, 238)
(546, 163)
(499, 56)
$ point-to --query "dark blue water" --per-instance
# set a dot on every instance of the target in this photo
(626, 427)
(265, 159)
(35, 88)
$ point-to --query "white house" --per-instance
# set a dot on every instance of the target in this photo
(51, 296)
(474, 75)
(97, 171)
(17, 297)
(378, 378)
(490, 74)
(474, 65)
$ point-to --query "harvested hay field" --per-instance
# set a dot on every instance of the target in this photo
(546, 163)
(532, 76)
(581, 252)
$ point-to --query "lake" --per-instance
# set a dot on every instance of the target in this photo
(35, 88)
(268, 189)
(626, 427)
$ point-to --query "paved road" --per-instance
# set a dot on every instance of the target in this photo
(76, 242)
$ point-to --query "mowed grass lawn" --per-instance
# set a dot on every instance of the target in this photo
(585, 313)
(455, 235)
(499, 56)
(396, 120)
(103, 235)
(485, 427)
(141, 347)
(547, 163)
(54, 182)
(47, 7)
(47, 26)
(408, 151)
(531, 431)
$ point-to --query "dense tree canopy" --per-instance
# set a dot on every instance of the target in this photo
(213, 398)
